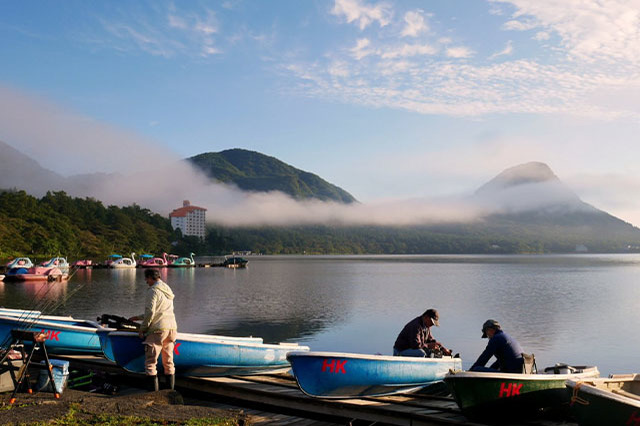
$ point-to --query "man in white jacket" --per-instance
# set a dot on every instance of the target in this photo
(158, 328)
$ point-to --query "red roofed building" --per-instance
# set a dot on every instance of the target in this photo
(190, 219)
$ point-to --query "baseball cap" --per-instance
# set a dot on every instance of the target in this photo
(489, 324)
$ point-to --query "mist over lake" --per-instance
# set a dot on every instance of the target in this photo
(577, 309)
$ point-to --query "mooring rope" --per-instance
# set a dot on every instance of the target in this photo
(575, 399)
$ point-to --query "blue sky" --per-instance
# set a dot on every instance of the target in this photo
(387, 99)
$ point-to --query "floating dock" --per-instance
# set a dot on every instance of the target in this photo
(280, 394)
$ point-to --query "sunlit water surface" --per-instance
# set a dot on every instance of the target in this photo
(578, 309)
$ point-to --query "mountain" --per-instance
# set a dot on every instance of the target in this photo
(22, 172)
(253, 171)
(530, 200)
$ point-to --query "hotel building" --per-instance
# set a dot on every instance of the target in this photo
(190, 219)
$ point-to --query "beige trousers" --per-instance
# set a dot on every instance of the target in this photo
(156, 344)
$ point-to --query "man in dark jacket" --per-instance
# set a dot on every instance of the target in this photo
(415, 339)
(504, 347)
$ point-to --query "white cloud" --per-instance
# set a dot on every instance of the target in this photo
(159, 31)
(415, 24)
(590, 29)
(508, 50)
(542, 35)
(520, 25)
(363, 14)
(407, 50)
(361, 49)
(459, 52)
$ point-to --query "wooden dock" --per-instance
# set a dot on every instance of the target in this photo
(279, 394)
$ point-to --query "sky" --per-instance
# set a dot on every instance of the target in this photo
(390, 100)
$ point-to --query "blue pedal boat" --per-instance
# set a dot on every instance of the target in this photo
(348, 375)
(64, 335)
(203, 355)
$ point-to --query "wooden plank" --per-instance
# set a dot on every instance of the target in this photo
(281, 393)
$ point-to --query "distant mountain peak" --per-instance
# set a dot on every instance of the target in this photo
(522, 174)
(257, 172)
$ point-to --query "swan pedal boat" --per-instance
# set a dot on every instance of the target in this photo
(203, 355)
(491, 396)
(349, 375)
(613, 401)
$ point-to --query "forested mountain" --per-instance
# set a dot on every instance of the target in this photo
(58, 224)
(253, 171)
(527, 210)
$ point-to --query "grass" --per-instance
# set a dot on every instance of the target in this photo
(76, 417)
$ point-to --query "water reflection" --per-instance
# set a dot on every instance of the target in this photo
(576, 309)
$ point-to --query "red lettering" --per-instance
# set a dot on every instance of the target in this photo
(505, 390)
(330, 364)
(340, 366)
(50, 334)
(175, 348)
(511, 389)
(634, 419)
(515, 390)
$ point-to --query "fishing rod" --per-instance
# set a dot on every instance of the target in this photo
(27, 319)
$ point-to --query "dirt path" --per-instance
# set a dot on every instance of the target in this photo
(165, 407)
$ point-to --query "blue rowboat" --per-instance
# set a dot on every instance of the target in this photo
(203, 355)
(348, 375)
(64, 335)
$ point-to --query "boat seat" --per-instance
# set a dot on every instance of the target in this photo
(529, 364)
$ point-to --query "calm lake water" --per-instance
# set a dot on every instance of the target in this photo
(578, 309)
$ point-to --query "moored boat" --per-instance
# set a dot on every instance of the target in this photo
(124, 262)
(235, 262)
(110, 259)
(36, 273)
(19, 262)
(148, 261)
(82, 264)
(64, 335)
(183, 262)
(612, 402)
(487, 395)
(349, 375)
(203, 355)
(57, 262)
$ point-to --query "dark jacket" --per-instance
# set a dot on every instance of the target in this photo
(506, 350)
(414, 335)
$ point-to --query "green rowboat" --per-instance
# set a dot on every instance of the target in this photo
(613, 401)
(509, 396)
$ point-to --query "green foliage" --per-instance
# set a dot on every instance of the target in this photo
(78, 228)
(501, 237)
(252, 171)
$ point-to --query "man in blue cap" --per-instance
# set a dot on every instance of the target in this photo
(504, 347)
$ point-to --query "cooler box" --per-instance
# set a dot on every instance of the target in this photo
(60, 376)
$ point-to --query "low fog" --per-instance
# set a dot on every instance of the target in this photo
(87, 158)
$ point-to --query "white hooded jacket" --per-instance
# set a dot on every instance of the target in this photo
(158, 309)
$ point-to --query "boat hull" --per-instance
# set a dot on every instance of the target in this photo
(202, 355)
(64, 335)
(492, 396)
(595, 406)
(345, 375)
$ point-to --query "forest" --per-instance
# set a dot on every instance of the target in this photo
(80, 228)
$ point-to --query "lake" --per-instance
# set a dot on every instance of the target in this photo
(577, 309)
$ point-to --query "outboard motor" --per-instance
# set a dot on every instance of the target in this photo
(118, 322)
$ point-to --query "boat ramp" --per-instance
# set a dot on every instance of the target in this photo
(279, 398)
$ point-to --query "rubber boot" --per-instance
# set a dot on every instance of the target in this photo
(171, 381)
(153, 384)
